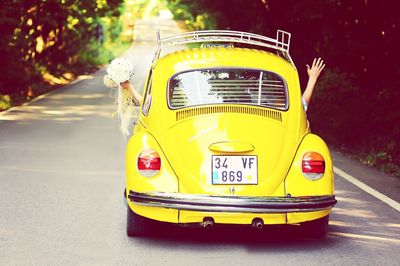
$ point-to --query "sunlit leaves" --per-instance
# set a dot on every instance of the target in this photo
(40, 37)
(101, 3)
(72, 22)
(39, 44)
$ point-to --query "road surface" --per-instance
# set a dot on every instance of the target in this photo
(62, 177)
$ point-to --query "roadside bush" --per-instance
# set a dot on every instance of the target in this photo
(337, 97)
(5, 102)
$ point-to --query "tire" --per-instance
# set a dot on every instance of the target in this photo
(136, 225)
(125, 199)
(316, 228)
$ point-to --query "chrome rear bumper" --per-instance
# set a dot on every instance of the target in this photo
(242, 204)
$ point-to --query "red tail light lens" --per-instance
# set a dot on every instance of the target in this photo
(149, 163)
(313, 165)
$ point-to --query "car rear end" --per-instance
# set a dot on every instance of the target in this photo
(230, 147)
(226, 140)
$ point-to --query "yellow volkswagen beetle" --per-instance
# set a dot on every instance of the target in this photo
(223, 138)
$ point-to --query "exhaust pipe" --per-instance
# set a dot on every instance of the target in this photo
(257, 223)
(208, 223)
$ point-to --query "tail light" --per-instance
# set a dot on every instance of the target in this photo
(313, 165)
(149, 163)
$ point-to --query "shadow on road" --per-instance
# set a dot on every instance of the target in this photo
(270, 237)
(354, 220)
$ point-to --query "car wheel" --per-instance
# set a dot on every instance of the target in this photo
(125, 199)
(135, 224)
(316, 228)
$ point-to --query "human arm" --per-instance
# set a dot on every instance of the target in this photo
(313, 73)
(128, 86)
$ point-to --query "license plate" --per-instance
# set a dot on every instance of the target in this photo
(234, 170)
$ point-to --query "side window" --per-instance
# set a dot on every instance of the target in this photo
(147, 97)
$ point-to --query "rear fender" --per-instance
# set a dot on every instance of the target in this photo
(298, 185)
(164, 181)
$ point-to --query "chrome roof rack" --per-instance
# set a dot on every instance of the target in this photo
(281, 44)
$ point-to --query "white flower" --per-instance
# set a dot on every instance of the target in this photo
(120, 70)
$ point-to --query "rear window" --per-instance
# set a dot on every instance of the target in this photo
(232, 86)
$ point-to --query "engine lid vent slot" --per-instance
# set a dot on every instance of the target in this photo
(192, 112)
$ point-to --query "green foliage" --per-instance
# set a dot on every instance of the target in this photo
(382, 160)
(211, 14)
(5, 102)
(195, 14)
(48, 37)
(96, 54)
(108, 45)
(334, 97)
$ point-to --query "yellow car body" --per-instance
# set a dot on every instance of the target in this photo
(193, 140)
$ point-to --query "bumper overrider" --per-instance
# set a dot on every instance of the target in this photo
(207, 203)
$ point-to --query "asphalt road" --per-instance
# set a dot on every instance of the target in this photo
(62, 177)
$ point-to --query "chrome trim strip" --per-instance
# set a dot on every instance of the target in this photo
(209, 203)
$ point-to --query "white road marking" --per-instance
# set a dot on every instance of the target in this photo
(392, 203)
(365, 237)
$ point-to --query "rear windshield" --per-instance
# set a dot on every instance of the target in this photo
(233, 86)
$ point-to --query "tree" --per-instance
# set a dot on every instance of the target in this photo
(46, 37)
